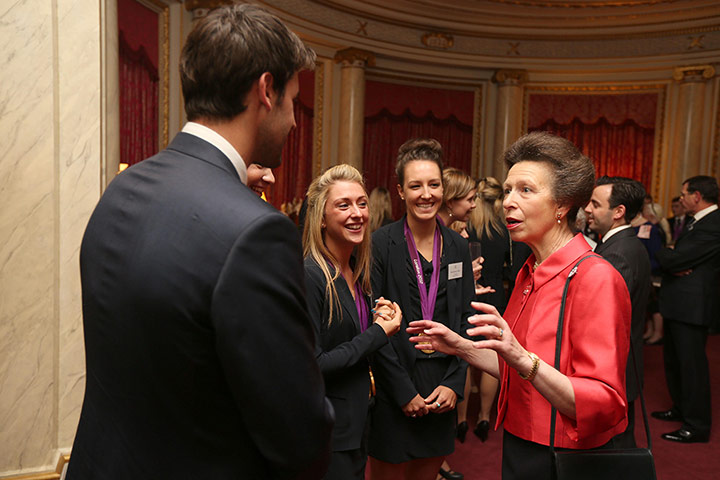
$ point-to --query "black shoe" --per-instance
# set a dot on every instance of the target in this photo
(482, 429)
(685, 436)
(450, 475)
(668, 415)
(462, 429)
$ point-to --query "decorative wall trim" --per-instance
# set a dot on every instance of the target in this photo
(56, 475)
(655, 187)
(318, 117)
(508, 76)
(355, 57)
(694, 73)
(163, 11)
(442, 41)
(477, 133)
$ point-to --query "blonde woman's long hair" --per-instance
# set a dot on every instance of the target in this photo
(487, 216)
(313, 234)
(380, 207)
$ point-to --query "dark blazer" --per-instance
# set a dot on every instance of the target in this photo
(343, 354)
(389, 279)
(199, 348)
(627, 254)
(692, 298)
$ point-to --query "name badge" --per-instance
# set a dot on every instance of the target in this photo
(644, 231)
(455, 271)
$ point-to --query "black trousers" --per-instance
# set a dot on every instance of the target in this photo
(687, 373)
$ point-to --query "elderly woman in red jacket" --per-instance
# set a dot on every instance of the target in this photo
(548, 181)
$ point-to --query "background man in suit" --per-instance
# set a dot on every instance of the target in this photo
(677, 221)
(200, 352)
(689, 303)
(614, 203)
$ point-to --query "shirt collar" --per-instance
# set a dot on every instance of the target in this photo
(704, 212)
(613, 231)
(219, 142)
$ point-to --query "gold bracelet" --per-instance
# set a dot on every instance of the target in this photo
(533, 371)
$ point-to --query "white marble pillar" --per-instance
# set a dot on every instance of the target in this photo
(51, 91)
(508, 116)
(352, 104)
(688, 120)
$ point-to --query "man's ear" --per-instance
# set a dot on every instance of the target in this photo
(266, 93)
(619, 212)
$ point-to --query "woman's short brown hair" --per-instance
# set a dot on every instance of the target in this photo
(229, 50)
(573, 178)
(418, 149)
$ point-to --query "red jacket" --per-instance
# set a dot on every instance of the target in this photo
(595, 347)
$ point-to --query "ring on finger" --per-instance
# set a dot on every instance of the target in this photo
(500, 335)
(438, 404)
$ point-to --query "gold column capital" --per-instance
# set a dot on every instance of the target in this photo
(355, 57)
(510, 77)
(695, 73)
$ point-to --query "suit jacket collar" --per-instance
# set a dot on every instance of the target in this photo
(615, 239)
(200, 149)
(348, 302)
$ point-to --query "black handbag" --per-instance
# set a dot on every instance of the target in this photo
(600, 464)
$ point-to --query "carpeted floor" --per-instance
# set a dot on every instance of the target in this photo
(700, 461)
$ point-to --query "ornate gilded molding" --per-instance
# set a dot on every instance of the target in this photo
(163, 11)
(697, 73)
(318, 116)
(477, 132)
(659, 142)
(355, 57)
(510, 77)
(442, 41)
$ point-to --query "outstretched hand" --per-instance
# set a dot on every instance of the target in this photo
(498, 336)
(429, 335)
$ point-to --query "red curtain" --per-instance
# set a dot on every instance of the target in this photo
(616, 131)
(294, 175)
(410, 112)
(624, 150)
(138, 104)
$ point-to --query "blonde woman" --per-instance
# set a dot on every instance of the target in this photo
(380, 208)
(337, 273)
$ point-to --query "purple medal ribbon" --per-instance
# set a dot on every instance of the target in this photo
(427, 298)
(362, 307)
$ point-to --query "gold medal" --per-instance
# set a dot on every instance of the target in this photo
(428, 352)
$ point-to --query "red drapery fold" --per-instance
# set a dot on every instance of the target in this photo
(385, 132)
(293, 176)
(616, 131)
(624, 150)
(138, 104)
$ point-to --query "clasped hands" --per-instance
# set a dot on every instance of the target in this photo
(388, 315)
(441, 400)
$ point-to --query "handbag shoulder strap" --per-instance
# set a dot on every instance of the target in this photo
(558, 342)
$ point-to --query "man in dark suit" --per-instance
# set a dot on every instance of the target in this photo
(689, 303)
(677, 221)
(614, 203)
(200, 353)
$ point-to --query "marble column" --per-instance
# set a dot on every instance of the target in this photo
(687, 145)
(352, 104)
(508, 116)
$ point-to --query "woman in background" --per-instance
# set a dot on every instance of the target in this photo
(337, 273)
(426, 268)
(487, 227)
(380, 208)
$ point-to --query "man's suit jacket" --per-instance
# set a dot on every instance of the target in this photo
(627, 254)
(199, 349)
(390, 280)
(692, 298)
(343, 353)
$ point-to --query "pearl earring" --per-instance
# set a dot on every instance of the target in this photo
(558, 217)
